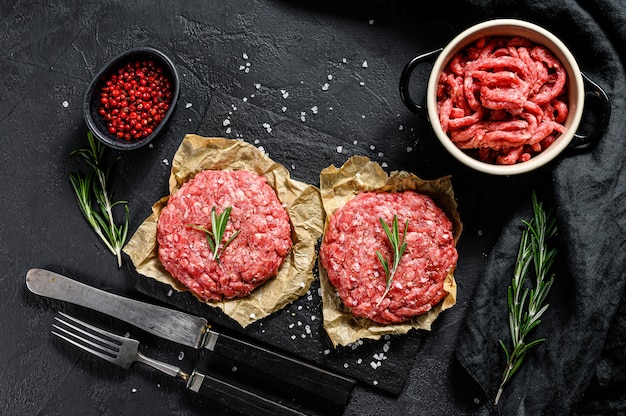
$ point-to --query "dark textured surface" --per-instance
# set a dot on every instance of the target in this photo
(238, 60)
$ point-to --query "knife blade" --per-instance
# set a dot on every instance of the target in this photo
(193, 331)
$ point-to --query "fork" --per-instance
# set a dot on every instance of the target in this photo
(124, 351)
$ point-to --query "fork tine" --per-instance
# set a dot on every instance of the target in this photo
(113, 337)
(84, 347)
(101, 342)
(107, 349)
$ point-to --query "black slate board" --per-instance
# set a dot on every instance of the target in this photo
(275, 331)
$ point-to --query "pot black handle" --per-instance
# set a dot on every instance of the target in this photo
(405, 78)
(600, 99)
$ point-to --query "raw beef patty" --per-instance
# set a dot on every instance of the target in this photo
(348, 254)
(251, 258)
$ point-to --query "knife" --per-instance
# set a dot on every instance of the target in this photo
(193, 331)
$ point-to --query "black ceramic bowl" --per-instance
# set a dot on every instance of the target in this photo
(91, 105)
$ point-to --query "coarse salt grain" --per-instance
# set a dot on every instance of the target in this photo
(364, 64)
(65, 104)
(188, 105)
(326, 352)
(284, 109)
(181, 356)
(314, 109)
(330, 77)
(284, 93)
(361, 83)
(409, 149)
(134, 391)
(339, 149)
(371, 22)
(166, 162)
(257, 86)
(226, 122)
(170, 293)
(252, 316)
(293, 337)
(325, 86)
(244, 56)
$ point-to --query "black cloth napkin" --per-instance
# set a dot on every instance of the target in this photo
(581, 366)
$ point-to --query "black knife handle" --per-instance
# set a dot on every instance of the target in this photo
(325, 384)
(245, 402)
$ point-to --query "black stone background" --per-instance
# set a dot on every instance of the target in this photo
(49, 51)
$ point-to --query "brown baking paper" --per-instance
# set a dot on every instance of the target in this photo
(340, 185)
(302, 202)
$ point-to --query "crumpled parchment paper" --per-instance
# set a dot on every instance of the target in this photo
(340, 185)
(302, 202)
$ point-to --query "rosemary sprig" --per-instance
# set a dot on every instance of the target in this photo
(525, 316)
(216, 234)
(93, 185)
(398, 248)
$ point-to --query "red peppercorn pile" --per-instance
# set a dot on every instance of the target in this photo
(134, 99)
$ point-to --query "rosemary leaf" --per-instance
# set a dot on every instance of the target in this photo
(93, 186)
(398, 247)
(525, 305)
(216, 234)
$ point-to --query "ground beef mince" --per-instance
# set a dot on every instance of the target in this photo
(251, 258)
(348, 254)
(503, 100)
